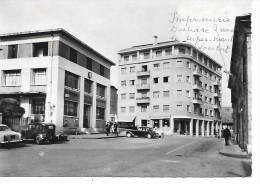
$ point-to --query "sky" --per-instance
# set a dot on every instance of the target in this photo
(111, 25)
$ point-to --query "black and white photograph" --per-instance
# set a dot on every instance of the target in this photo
(151, 91)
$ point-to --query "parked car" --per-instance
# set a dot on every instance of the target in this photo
(143, 132)
(8, 136)
(42, 132)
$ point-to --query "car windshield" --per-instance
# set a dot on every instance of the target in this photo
(4, 128)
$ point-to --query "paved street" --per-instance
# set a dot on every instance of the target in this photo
(171, 156)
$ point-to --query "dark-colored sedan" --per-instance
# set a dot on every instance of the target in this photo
(143, 132)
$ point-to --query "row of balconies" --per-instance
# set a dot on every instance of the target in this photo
(196, 100)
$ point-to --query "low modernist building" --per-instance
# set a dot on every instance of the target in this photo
(240, 82)
(171, 86)
(56, 78)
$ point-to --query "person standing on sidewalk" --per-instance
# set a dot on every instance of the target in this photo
(108, 128)
(116, 130)
(226, 135)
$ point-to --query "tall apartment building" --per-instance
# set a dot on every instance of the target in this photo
(56, 77)
(170, 86)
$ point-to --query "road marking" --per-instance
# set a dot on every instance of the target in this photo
(180, 147)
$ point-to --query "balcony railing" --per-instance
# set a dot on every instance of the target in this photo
(143, 87)
(216, 83)
(143, 73)
(197, 72)
(197, 100)
(143, 100)
(197, 87)
(217, 95)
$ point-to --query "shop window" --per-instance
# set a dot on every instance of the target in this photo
(100, 113)
(70, 108)
(88, 86)
(101, 90)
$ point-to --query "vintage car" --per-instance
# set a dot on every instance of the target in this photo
(142, 132)
(8, 136)
(42, 132)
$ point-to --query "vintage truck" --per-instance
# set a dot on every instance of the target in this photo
(42, 133)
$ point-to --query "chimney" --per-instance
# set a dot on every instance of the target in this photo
(155, 40)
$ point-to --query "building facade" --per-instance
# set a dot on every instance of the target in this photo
(240, 82)
(56, 78)
(170, 86)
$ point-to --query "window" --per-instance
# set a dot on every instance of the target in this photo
(12, 78)
(188, 79)
(123, 83)
(179, 78)
(12, 51)
(166, 93)
(166, 65)
(156, 66)
(206, 99)
(39, 77)
(188, 108)
(101, 90)
(88, 86)
(182, 50)
(179, 107)
(206, 74)
(132, 69)
(166, 108)
(210, 88)
(38, 106)
(123, 109)
(132, 109)
(210, 100)
(131, 95)
(70, 108)
(179, 64)
(210, 76)
(196, 109)
(194, 54)
(143, 94)
(132, 82)
(143, 81)
(211, 113)
(188, 64)
(206, 61)
(134, 57)
(179, 92)
(100, 113)
(206, 86)
(73, 55)
(143, 108)
(206, 112)
(89, 63)
(71, 80)
(158, 53)
(123, 96)
(102, 70)
(156, 94)
(123, 70)
(156, 108)
(40, 49)
(200, 58)
(146, 55)
(188, 93)
(144, 68)
(126, 58)
(155, 80)
(168, 52)
(165, 79)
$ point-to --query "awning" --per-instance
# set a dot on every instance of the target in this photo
(126, 118)
(160, 117)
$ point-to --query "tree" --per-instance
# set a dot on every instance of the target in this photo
(10, 108)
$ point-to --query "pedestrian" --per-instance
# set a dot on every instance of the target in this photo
(108, 128)
(227, 135)
(112, 128)
(116, 130)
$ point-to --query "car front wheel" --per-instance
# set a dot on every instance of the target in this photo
(128, 135)
(38, 140)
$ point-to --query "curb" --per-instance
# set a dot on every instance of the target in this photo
(235, 155)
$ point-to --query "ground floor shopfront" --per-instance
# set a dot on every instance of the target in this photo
(183, 125)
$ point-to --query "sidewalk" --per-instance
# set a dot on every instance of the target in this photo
(95, 136)
(233, 150)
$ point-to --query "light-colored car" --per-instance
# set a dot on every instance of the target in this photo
(8, 136)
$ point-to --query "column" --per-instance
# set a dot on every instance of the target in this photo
(81, 102)
(93, 109)
(220, 128)
(160, 124)
(207, 128)
(186, 127)
(191, 127)
(203, 128)
(179, 126)
(173, 51)
(171, 124)
(197, 128)
(151, 53)
(107, 111)
(138, 55)
(212, 128)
